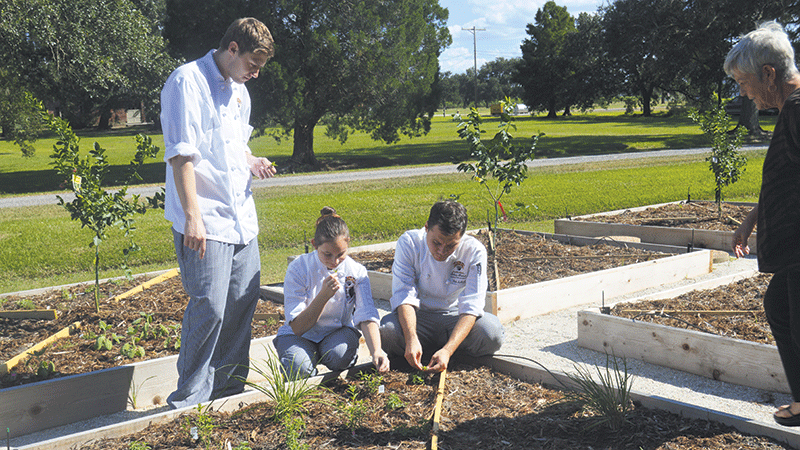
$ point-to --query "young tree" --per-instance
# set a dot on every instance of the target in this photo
(96, 208)
(725, 162)
(499, 158)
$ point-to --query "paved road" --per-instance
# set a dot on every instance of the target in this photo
(338, 177)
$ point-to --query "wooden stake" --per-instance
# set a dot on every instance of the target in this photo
(145, 285)
(493, 250)
(687, 311)
(13, 362)
(437, 411)
(46, 314)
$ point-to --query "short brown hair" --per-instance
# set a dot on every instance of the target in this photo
(250, 35)
(450, 216)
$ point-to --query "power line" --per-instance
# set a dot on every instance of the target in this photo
(474, 31)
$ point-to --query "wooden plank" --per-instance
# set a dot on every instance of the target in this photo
(277, 317)
(716, 357)
(540, 298)
(704, 284)
(146, 285)
(39, 314)
(149, 382)
(711, 239)
(64, 332)
(38, 406)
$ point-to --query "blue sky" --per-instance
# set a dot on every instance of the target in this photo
(504, 22)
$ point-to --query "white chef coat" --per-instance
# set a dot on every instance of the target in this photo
(205, 116)
(457, 283)
(349, 306)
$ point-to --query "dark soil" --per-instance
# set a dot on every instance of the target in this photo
(481, 409)
(527, 259)
(742, 303)
(164, 303)
(697, 214)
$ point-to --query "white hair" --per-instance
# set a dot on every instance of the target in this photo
(767, 44)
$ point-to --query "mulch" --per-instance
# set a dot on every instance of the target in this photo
(481, 409)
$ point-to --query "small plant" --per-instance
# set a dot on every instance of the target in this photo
(133, 393)
(371, 380)
(294, 427)
(353, 409)
(139, 445)
(393, 402)
(609, 396)
(106, 339)
(200, 426)
(26, 304)
(498, 158)
(132, 349)
(725, 162)
(417, 378)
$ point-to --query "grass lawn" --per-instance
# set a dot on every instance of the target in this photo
(41, 246)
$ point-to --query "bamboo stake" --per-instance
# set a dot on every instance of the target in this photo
(699, 311)
(555, 258)
(46, 314)
(145, 285)
(437, 411)
(13, 362)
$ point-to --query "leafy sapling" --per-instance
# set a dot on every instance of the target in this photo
(96, 208)
(499, 158)
(725, 161)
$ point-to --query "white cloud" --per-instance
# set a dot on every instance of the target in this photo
(503, 23)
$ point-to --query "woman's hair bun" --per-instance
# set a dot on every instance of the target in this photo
(327, 211)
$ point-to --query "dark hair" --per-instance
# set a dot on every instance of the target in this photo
(450, 216)
(330, 226)
(250, 35)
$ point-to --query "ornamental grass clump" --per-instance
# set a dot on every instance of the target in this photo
(609, 396)
(290, 398)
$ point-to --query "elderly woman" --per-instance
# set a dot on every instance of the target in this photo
(762, 62)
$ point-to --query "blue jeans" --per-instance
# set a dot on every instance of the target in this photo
(215, 337)
(299, 356)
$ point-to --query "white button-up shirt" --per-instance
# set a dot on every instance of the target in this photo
(205, 117)
(351, 305)
(457, 283)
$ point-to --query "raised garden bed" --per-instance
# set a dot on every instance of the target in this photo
(507, 405)
(607, 269)
(34, 399)
(692, 224)
(734, 347)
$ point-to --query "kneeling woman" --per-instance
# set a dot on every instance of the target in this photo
(326, 294)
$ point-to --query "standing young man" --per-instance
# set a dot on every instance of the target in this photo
(438, 293)
(205, 118)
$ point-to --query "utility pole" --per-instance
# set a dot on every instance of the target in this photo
(474, 31)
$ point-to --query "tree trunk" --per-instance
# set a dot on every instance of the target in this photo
(748, 118)
(567, 112)
(551, 109)
(303, 152)
(647, 96)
